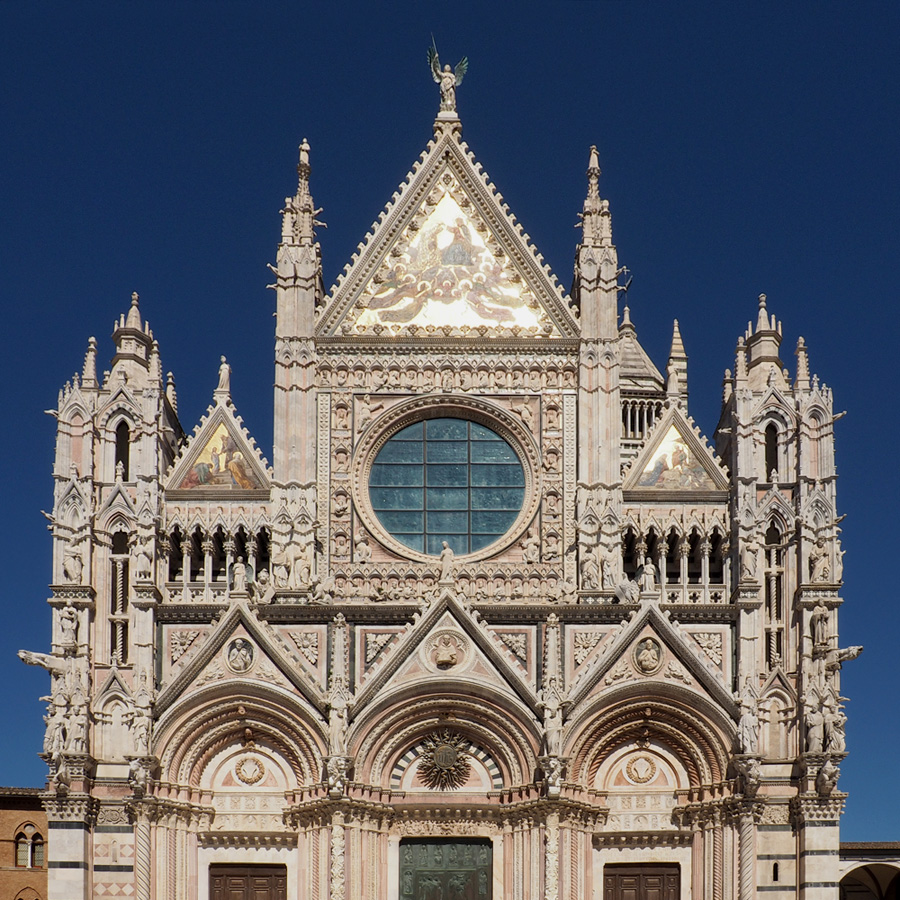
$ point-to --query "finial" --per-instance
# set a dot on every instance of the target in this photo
(134, 313)
(762, 320)
(89, 372)
(448, 79)
(171, 395)
(802, 383)
(303, 166)
(626, 318)
(593, 173)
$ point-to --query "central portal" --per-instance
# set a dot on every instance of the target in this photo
(642, 882)
(437, 869)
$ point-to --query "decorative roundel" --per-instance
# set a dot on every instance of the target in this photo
(648, 656)
(249, 769)
(459, 471)
(640, 769)
(239, 655)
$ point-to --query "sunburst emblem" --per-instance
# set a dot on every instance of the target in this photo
(444, 761)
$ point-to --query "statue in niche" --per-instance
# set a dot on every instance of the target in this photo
(834, 722)
(338, 713)
(55, 720)
(647, 576)
(143, 562)
(610, 561)
(531, 549)
(819, 563)
(819, 624)
(748, 725)
(815, 728)
(239, 576)
(749, 560)
(76, 730)
(590, 569)
(551, 703)
(73, 567)
(68, 626)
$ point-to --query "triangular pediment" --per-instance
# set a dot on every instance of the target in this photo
(242, 648)
(447, 260)
(447, 643)
(675, 458)
(650, 647)
(219, 457)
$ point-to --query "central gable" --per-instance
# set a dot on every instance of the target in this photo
(447, 259)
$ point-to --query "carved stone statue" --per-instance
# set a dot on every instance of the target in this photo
(224, 376)
(449, 79)
(263, 589)
(68, 626)
(819, 563)
(628, 591)
(749, 771)
(827, 778)
(818, 624)
(590, 569)
(239, 576)
(748, 725)
(338, 713)
(531, 549)
(551, 702)
(446, 563)
(73, 567)
(648, 576)
(749, 561)
(815, 729)
(835, 721)
(554, 769)
(363, 550)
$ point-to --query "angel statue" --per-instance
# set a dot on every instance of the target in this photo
(449, 79)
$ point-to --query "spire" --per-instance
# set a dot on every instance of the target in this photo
(89, 372)
(133, 339)
(299, 213)
(676, 370)
(596, 222)
(802, 382)
(762, 320)
(627, 324)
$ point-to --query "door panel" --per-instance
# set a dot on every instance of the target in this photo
(246, 882)
(646, 882)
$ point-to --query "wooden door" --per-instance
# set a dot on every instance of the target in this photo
(642, 882)
(239, 882)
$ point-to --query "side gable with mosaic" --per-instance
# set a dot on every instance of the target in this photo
(498, 621)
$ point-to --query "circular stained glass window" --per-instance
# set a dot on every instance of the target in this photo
(450, 480)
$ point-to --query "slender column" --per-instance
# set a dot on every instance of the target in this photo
(746, 857)
(704, 566)
(338, 882)
(142, 859)
(551, 862)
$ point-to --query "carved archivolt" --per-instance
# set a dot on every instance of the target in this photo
(685, 726)
(385, 738)
(197, 731)
(507, 425)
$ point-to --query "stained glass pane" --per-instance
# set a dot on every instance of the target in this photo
(473, 486)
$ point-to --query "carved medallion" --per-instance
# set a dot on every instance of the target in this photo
(239, 655)
(648, 656)
(447, 650)
(249, 769)
(445, 761)
(640, 769)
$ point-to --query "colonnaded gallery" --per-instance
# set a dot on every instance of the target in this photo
(496, 621)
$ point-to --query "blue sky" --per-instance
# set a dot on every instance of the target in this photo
(745, 148)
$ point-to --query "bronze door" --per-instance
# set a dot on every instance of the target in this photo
(647, 882)
(436, 869)
(236, 882)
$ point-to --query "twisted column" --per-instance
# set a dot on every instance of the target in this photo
(142, 860)
(746, 858)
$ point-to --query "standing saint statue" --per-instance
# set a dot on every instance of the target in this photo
(449, 79)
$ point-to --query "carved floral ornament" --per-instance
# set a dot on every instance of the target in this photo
(507, 425)
(249, 770)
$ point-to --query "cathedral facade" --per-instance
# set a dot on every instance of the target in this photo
(497, 620)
